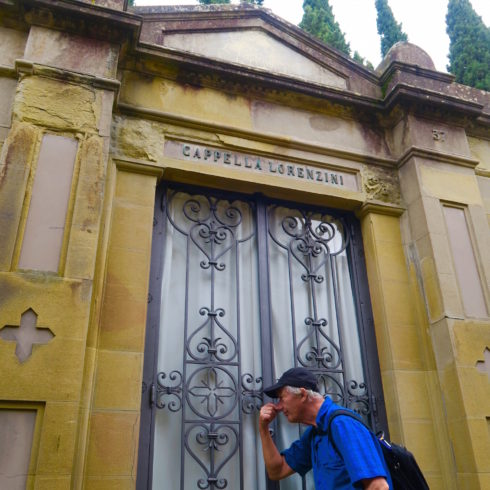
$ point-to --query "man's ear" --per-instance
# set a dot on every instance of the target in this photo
(304, 394)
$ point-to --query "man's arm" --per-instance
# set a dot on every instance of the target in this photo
(275, 464)
(378, 483)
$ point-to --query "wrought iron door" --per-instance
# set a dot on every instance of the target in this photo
(242, 288)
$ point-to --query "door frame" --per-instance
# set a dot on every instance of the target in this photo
(362, 303)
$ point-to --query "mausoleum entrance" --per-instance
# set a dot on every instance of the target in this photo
(242, 288)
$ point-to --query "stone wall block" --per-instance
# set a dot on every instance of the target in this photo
(443, 258)
(15, 161)
(71, 52)
(113, 442)
(421, 440)
(116, 397)
(13, 44)
(413, 395)
(377, 303)
(52, 371)
(207, 105)
(123, 483)
(481, 235)
(56, 104)
(118, 380)
(46, 375)
(58, 439)
(438, 136)
(462, 446)
(139, 139)
(455, 186)
(84, 233)
(7, 89)
(432, 290)
(451, 296)
(121, 320)
(409, 182)
(406, 346)
(390, 391)
(471, 338)
(53, 483)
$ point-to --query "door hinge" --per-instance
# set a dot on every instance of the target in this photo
(374, 405)
(153, 393)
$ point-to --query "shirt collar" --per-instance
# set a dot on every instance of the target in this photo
(322, 415)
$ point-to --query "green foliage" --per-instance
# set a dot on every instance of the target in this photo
(363, 61)
(319, 21)
(209, 2)
(469, 45)
(389, 30)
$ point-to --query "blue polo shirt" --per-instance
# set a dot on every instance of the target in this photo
(362, 456)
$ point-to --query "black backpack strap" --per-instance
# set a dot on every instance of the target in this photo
(336, 414)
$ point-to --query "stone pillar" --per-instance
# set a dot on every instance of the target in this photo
(437, 170)
(407, 369)
(64, 88)
(117, 341)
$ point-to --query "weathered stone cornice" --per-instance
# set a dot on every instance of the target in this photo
(25, 67)
(138, 166)
(373, 207)
(408, 93)
(482, 172)
(205, 71)
(8, 71)
(395, 66)
(437, 156)
(82, 18)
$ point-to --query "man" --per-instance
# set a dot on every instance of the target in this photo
(360, 463)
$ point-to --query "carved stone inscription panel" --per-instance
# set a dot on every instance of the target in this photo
(221, 157)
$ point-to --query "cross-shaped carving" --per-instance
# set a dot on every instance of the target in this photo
(26, 334)
(484, 366)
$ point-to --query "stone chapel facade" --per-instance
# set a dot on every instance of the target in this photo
(193, 199)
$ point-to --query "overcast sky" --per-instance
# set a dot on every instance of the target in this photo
(422, 20)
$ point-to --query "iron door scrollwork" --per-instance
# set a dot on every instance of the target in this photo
(208, 393)
(210, 390)
(313, 242)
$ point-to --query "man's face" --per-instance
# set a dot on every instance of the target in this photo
(291, 405)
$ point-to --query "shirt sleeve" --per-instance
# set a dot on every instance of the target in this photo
(298, 455)
(359, 448)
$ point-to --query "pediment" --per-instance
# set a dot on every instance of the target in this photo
(252, 37)
(256, 49)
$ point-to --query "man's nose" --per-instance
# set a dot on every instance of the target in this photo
(279, 406)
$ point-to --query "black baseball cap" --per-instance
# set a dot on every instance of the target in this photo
(298, 377)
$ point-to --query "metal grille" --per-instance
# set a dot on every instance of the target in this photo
(313, 243)
(210, 390)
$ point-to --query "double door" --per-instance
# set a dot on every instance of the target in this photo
(241, 289)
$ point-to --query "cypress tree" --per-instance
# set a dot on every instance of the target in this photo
(363, 61)
(389, 30)
(319, 21)
(469, 45)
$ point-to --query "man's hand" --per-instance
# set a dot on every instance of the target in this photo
(267, 414)
(378, 483)
(276, 465)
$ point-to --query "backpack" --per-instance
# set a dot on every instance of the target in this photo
(404, 470)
